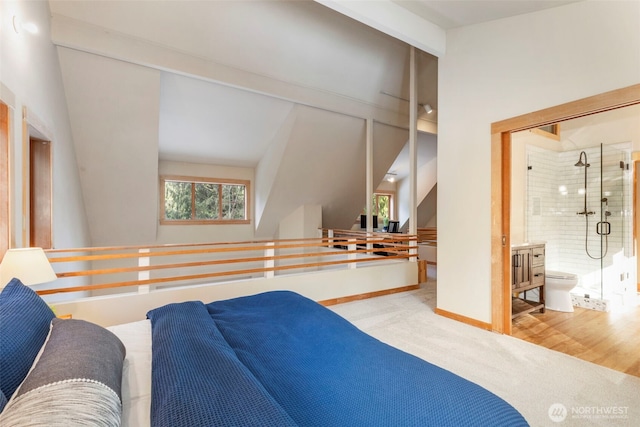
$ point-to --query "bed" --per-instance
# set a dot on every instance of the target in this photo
(271, 359)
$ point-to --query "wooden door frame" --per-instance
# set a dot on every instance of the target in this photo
(635, 161)
(33, 128)
(501, 185)
(40, 193)
(5, 179)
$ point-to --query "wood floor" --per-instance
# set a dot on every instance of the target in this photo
(607, 339)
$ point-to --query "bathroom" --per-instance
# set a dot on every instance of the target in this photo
(573, 189)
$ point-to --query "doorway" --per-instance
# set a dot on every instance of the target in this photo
(5, 226)
(501, 184)
(40, 193)
(576, 197)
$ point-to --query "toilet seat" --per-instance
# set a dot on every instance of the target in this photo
(560, 275)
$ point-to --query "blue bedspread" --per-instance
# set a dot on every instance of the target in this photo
(279, 359)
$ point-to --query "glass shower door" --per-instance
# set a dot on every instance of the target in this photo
(612, 224)
(579, 203)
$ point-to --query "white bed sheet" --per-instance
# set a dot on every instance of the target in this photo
(136, 372)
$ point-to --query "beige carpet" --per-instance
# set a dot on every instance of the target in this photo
(547, 387)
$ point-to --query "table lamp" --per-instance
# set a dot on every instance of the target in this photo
(30, 265)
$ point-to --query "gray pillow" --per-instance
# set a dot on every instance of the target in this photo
(76, 380)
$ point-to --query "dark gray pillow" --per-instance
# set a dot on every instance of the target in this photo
(76, 380)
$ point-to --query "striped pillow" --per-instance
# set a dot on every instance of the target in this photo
(76, 380)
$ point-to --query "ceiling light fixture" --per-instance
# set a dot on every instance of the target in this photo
(29, 27)
(390, 176)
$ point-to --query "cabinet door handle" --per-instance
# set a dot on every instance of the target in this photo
(537, 274)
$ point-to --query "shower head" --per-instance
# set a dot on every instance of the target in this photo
(580, 162)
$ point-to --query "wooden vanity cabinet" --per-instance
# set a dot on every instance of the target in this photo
(527, 273)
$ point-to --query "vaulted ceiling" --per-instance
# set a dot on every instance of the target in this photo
(231, 74)
(298, 44)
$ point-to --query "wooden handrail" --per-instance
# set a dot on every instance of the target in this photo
(325, 242)
(216, 262)
(203, 276)
(428, 235)
(343, 248)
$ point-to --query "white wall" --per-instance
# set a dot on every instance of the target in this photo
(114, 108)
(427, 179)
(267, 168)
(30, 77)
(304, 222)
(502, 69)
(322, 163)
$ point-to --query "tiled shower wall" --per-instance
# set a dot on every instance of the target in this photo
(555, 195)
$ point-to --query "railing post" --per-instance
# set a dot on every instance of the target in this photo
(413, 250)
(330, 236)
(269, 263)
(352, 255)
(144, 274)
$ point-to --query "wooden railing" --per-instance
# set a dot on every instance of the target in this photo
(428, 240)
(106, 270)
(428, 235)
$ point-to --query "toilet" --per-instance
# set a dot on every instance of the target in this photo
(557, 285)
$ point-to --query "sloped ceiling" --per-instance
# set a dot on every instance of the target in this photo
(230, 74)
(196, 120)
(300, 43)
(615, 126)
(457, 13)
(299, 51)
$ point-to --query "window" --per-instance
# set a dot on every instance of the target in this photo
(382, 206)
(187, 200)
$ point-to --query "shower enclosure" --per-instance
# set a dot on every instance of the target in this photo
(579, 203)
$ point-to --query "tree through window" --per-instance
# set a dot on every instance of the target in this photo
(203, 200)
(382, 206)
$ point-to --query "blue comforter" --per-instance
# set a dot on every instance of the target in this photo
(279, 359)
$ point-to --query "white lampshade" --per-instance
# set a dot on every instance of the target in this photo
(30, 265)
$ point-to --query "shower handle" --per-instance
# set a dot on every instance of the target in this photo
(603, 228)
(586, 213)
